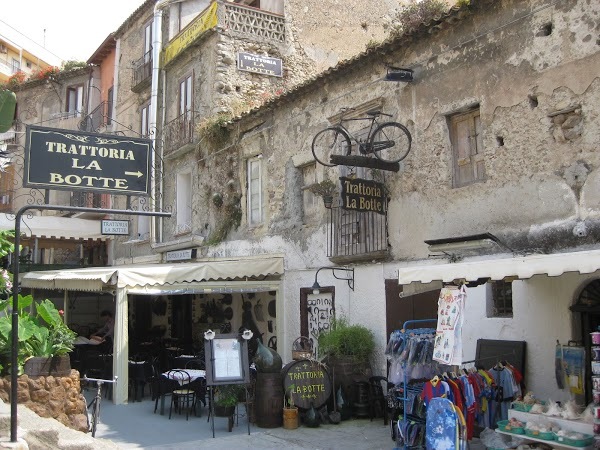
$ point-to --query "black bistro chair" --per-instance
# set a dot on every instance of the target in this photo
(184, 395)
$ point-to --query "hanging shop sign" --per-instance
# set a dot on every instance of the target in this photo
(76, 161)
(363, 195)
(204, 22)
(115, 227)
(181, 255)
(264, 65)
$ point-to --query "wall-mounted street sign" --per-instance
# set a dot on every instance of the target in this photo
(181, 255)
(76, 161)
(363, 195)
(115, 227)
(264, 65)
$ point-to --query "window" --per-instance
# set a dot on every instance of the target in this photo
(467, 148)
(28, 64)
(143, 228)
(184, 203)
(499, 299)
(109, 105)
(145, 121)
(15, 65)
(185, 95)
(309, 200)
(255, 193)
(148, 42)
(75, 101)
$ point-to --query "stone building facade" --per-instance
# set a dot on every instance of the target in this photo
(502, 115)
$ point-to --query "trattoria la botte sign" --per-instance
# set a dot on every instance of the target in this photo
(72, 160)
(363, 195)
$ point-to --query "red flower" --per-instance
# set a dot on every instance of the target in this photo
(61, 312)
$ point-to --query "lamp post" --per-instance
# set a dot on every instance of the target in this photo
(348, 272)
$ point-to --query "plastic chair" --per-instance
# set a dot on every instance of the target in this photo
(377, 398)
(184, 394)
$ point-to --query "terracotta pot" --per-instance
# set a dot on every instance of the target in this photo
(290, 418)
(57, 366)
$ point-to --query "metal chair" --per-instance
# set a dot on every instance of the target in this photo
(377, 398)
(184, 394)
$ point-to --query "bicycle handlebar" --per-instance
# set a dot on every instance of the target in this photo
(99, 380)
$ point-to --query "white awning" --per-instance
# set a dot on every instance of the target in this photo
(55, 227)
(499, 268)
(139, 276)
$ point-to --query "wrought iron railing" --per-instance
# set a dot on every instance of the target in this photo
(252, 22)
(142, 70)
(354, 234)
(96, 119)
(86, 199)
(180, 131)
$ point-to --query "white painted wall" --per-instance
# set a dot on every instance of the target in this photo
(541, 317)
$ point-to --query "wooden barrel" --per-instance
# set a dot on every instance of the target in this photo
(307, 382)
(268, 401)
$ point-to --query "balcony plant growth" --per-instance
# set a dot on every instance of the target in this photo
(325, 189)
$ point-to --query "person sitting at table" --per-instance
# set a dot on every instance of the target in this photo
(107, 331)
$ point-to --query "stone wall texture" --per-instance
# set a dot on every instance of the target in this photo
(56, 397)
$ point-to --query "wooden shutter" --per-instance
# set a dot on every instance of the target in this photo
(467, 148)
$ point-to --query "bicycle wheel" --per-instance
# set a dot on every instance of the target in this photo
(330, 141)
(391, 142)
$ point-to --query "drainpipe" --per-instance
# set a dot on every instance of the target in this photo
(156, 49)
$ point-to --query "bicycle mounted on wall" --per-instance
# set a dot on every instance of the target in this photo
(389, 142)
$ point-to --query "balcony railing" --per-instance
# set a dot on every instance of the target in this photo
(142, 70)
(354, 235)
(252, 22)
(180, 131)
(97, 119)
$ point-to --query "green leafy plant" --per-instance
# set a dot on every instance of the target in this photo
(289, 397)
(73, 65)
(325, 188)
(214, 128)
(415, 13)
(343, 339)
(227, 395)
(42, 331)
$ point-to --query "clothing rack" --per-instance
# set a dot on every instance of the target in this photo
(405, 329)
(496, 357)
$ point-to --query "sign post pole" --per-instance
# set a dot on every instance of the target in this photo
(16, 289)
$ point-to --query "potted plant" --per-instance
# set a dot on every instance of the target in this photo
(347, 349)
(325, 189)
(226, 398)
(44, 339)
(290, 410)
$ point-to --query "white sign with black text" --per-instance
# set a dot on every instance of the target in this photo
(264, 65)
(115, 227)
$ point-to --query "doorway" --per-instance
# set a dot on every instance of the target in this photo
(181, 318)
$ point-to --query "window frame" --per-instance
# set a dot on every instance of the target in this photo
(310, 203)
(148, 35)
(251, 194)
(183, 201)
(145, 120)
(78, 90)
(185, 94)
(498, 304)
(467, 170)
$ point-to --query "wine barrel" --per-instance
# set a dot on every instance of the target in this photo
(268, 400)
(307, 382)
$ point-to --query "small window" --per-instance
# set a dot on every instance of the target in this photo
(184, 203)
(143, 228)
(499, 299)
(109, 105)
(467, 148)
(255, 191)
(28, 64)
(75, 101)
(309, 200)
(145, 121)
(148, 42)
(185, 95)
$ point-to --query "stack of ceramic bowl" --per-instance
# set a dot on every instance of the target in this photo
(595, 354)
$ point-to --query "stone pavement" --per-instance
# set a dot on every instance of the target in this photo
(135, 426)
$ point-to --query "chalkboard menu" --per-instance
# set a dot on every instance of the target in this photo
(306, 382)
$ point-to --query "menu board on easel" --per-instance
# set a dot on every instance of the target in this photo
(226, 360)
